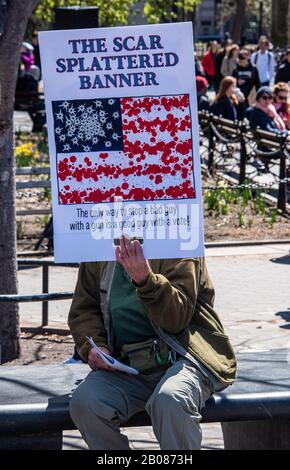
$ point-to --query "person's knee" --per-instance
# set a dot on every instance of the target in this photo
(90, 402)
(78, 404)
(169, 402)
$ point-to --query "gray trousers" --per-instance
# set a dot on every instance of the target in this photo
(107, 399)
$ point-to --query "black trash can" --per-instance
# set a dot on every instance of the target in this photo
(76, 17)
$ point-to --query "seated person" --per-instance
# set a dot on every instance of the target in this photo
(203, 102)
(27, 61)
(228, 103)
(265, 117)
(282, 102)
(264, 114)
(159, 315)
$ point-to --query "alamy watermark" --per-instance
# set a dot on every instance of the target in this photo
(152, 221)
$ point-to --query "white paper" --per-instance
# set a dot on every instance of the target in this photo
(123, 139)
(110, 361)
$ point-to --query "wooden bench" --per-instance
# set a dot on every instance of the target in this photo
(254, 412)
(33, 184)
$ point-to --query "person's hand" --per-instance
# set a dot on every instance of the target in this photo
(95, 362)
(241, 81)
(130, 256)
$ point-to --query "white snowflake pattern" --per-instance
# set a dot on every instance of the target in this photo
(72, 129)
(59, 116)
(65, 105)
(66, 148)
(83, 125)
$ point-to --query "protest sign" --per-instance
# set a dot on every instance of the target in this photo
(123, 140)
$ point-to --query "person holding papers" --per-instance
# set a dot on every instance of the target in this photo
(157, 318)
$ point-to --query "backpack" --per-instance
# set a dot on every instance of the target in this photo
(256, 58)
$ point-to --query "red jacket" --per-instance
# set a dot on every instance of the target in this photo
(208, 63)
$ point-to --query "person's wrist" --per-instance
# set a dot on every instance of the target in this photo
(141, 281)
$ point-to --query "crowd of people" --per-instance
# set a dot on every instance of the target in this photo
(248, 84)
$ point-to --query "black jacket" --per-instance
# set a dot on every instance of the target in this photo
(226, 109)
(258, 118)
(283, 73)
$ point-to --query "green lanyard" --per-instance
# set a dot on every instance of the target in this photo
(161, 361)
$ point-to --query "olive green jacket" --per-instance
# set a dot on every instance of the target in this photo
(178, 297)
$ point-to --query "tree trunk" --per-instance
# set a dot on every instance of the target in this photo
(15, 23)
(239, 21)
(280, 11)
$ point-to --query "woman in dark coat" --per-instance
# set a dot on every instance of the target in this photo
(229, 100)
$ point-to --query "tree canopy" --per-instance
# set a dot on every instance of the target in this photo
(167, 10)
(117, 12)
(111, 12)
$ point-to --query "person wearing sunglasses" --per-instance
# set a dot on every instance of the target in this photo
(282, 102)
(264, 116)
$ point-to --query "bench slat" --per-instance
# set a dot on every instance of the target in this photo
(32, 184)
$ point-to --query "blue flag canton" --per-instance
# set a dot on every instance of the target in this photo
(88, 125)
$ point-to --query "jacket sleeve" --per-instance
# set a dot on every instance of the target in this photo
(272, 66)
(205, 63)
(257, 82)
(277, 78)
(170, 296)
(85, 318)
(218, 109)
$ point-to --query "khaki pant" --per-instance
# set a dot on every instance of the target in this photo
(107, 399)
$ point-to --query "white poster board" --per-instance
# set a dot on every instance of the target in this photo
(123, 140)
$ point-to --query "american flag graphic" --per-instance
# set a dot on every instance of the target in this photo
(136, 149)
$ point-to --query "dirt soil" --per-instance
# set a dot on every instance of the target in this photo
(227, 228)
(38, 349)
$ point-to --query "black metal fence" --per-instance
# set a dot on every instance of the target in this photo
(45, 296)
(242, 148)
